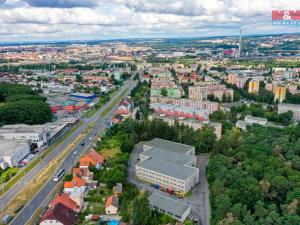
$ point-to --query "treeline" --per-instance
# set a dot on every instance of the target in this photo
(293, 99)
(132, 132)
(20, 104)
(254, 177)
(140, 95)
(270, 113)
(71, 64)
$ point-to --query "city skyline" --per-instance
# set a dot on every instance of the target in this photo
(37, 20)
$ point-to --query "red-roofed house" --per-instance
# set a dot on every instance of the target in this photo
(76, 184)
(66, 201)
(92, 158)
(84, 173)
(60, 215)
(111, 205)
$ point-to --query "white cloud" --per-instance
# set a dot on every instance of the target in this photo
(136, 18)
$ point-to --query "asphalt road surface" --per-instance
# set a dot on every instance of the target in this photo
(28, 210)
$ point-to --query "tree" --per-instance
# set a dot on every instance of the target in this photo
(164, 92)
(141, 211)
(25, 111)
(205, 139)
(79, 78)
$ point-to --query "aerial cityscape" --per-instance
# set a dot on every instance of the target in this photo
(148, 112)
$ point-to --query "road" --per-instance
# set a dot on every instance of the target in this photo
(200, 205)
(70, 160)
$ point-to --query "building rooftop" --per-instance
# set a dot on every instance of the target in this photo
(167, 204)
(169, 146)
(165, 155)
(248, 117)
(9, 147)
(178, 171)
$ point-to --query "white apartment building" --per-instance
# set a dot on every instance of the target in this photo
(257, 120)
(13, 151)
(168, 164)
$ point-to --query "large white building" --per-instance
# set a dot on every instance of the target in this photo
(37, 134)
(13, 151)
(168, 164)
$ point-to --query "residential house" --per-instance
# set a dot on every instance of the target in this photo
(60, 214)
(64, 199)
(75, 184)
(83, 173)
(93, 158)
(112, 205)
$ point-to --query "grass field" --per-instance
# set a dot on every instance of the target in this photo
(7, 174)
(110, 153)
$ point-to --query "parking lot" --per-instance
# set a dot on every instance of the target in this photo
(199, 202)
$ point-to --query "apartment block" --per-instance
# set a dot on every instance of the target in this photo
(253, 87)
(168, 164)
(280, 93)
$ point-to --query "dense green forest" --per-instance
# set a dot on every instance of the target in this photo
(20, 104)
(254, 177)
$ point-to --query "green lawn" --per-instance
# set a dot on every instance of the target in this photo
(7, 174)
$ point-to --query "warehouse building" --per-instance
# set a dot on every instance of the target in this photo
(12, 152)
(169, 165)
(178, 210)
(85, 96)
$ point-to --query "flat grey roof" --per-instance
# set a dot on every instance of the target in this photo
(9, 147)
(169, 146)
(178, 171)
(173, 157)
(168, 204)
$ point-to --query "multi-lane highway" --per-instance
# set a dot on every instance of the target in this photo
(25, 214)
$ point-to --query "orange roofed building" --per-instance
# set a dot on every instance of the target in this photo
(76, 184)
(92, 158)
(65, 200)
(111, 205)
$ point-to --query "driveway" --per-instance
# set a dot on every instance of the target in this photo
(200, 193)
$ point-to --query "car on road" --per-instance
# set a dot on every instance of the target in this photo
(75, 153)
(90, 138)
(82, 144)
(6, 219)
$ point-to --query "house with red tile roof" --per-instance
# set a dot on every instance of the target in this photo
(60, 215)
(84, 173)
(93, 158)
(112, 205)
(76, 183)
(64, 199)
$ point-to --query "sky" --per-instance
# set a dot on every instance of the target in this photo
(47, 20)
